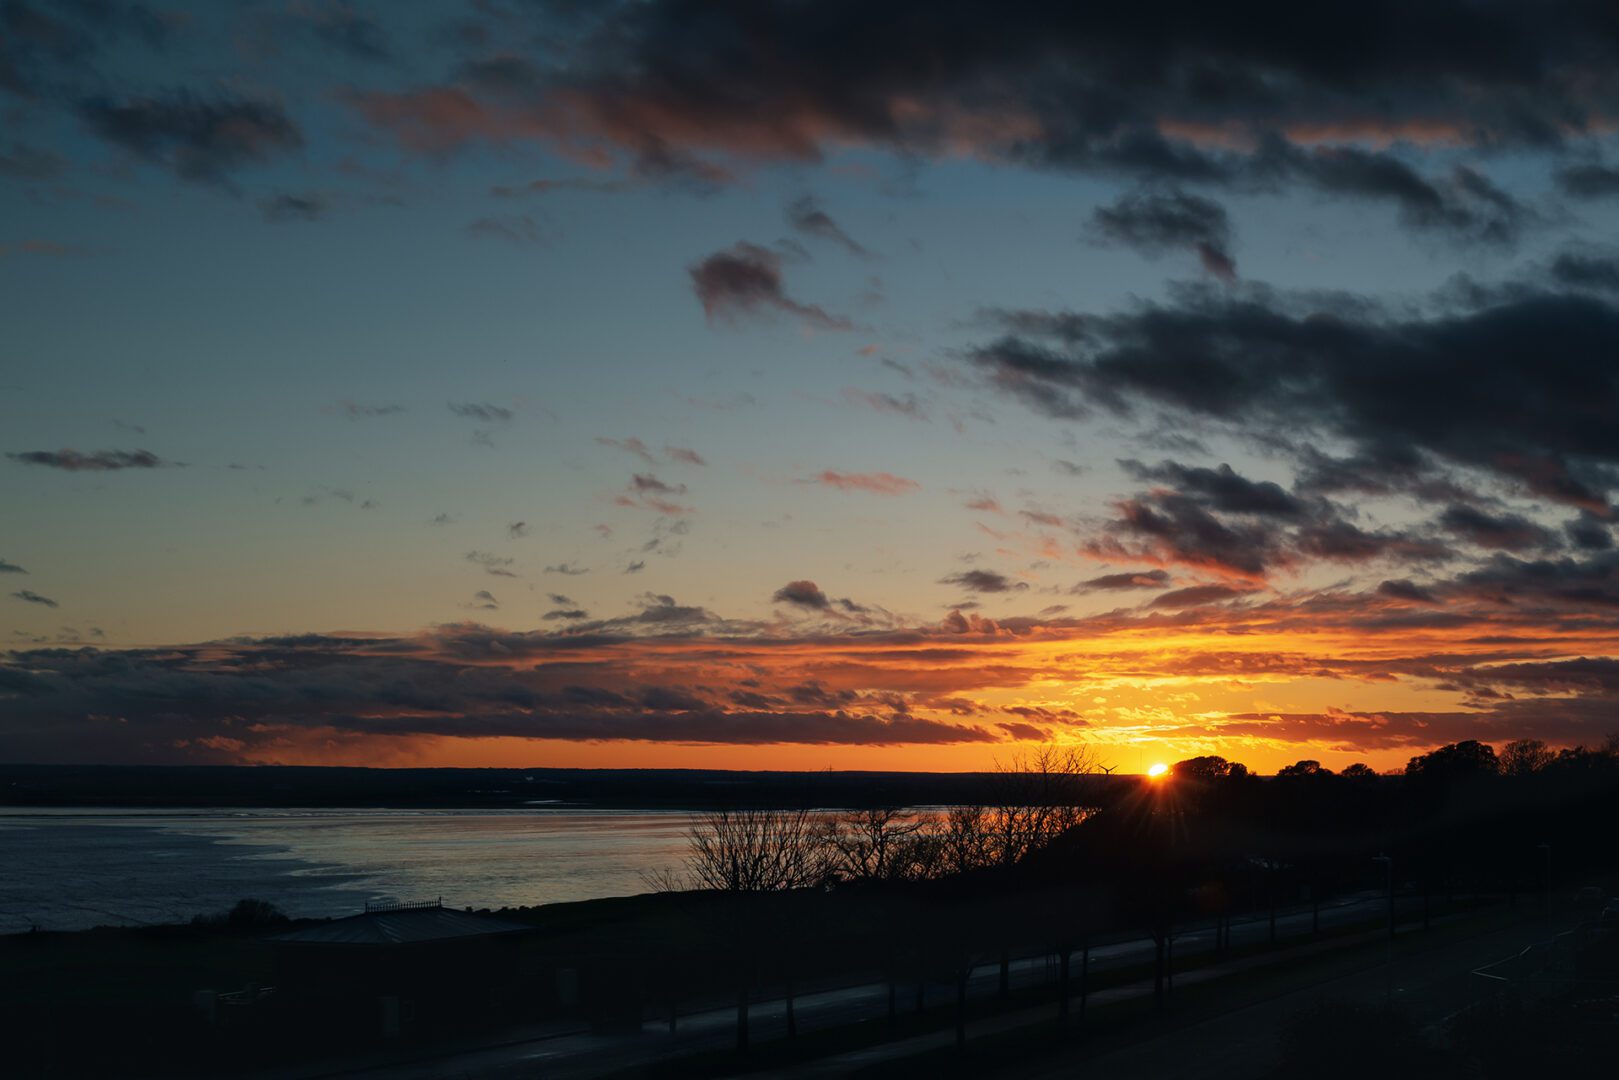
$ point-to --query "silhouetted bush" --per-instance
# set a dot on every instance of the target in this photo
(247, 914)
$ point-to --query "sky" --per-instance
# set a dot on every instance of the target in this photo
(796, 386)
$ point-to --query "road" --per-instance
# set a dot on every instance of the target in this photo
(1429, 985)
(583, 1054)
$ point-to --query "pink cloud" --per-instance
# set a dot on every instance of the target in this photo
(876, 483)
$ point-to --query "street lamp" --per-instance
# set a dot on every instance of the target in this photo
(1546, 882)
(1388, 967)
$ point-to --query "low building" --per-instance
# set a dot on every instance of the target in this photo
(401, 969)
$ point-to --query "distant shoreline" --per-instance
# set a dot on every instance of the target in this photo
(135, 787)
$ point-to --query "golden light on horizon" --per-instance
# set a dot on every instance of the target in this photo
(1158, 770)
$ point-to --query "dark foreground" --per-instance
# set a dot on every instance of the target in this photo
(1449, 922)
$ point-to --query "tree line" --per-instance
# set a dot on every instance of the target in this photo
(1031, 800)
(1036, 798)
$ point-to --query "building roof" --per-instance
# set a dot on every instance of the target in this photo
(404, 926)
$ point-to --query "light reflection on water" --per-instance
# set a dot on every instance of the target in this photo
(64, 869)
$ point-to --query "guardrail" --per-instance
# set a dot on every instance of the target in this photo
(376, 907)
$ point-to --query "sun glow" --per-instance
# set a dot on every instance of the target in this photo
(1158, 771)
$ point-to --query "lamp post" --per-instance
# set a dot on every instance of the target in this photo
(1546, 882)
(1388, 967)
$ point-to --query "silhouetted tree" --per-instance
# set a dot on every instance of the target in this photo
(1359, 771)
(747, 852)
(1457, 761)
(1307, 767)
(742, 851)
(247, 914)
(1522, 757)
(964, 841)
(877, 844)
(1038, 797)
(1209, 767)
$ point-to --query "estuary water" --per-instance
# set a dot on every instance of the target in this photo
(69, 869)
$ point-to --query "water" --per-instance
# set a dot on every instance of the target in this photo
(67, 869)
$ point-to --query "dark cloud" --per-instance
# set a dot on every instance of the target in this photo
(46, 49)
(197, 140)
(1588, 533)
(1179, 529)
(356, 411)
(1577, 271)
(814, 693)
(20, 161)
(1465, 206)
(1048, 714)
(746, 682)
(984, 581)
(1505, 532)
(283, 207)
(341, 27)
(745, 280)
(567, 569)
(654, 163)
(635, 567)
(54, 249)
(32, 597)
(683, 456)
(1590, 582)
(1157, 221)
(907, 405)
(520, 229)
(517, 530)
(1247, 94)
(969, 623)
(492, 564)
(96, 461)
(484, 600)
(1337, 539)
(1219, 520)
(1407, 592)
(10, 568)
(630, 445)
(646, 482)
(802, 593)
(504, 72)
(271, 694)
(1141, 579)
(658, 161)
(1584, 675)
(1221, 489)
(1589, 181)
(1197, 596)
(566, 615)
(807, 216)
(547, 186)
(489, 414)
(1527, 390)
(1358, 732)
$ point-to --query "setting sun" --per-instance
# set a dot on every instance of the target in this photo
(1158, 771)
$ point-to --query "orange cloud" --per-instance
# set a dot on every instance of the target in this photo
(1335, 674)
(875, 483)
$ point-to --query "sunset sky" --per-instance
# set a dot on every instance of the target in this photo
(784, 385)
